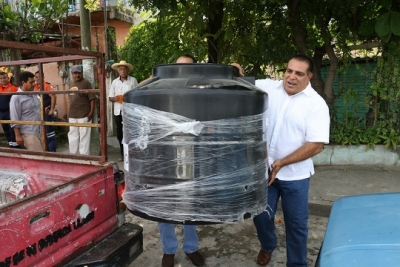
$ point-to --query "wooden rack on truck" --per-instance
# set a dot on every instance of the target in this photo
(61, 209)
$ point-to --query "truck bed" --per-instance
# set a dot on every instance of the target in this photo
(59, 212)
(22, 178)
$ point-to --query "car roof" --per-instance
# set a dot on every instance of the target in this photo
(363, 230)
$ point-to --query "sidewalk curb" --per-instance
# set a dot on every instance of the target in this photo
(319, 209)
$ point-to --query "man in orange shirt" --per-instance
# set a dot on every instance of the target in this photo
(49, 102)
(7, 87)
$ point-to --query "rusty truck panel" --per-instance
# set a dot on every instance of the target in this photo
(64, 201)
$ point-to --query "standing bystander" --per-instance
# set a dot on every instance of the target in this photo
(26, 108)
(298, 128)
(7, 87)
(119, 87)
(49, 102)
(81, 108)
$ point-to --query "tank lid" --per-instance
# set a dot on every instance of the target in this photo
(184, 70)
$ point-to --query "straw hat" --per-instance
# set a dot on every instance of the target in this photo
(122, 63)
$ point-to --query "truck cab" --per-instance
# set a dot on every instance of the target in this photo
(362, 231)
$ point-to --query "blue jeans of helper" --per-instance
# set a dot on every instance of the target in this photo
(5, 115)
(294, 196)
(170, 242)
(51, 135)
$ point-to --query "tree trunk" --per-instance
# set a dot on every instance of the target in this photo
(256, 70)
(214, 26)
(298, 32)
(88, 72)
(15, 54)
(317, 81)
(299, 38)
(330, 78)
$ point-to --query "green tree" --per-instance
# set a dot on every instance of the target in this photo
(227, 31)
(27, 21)
(156, 42)
(203, 17)
(267, 32)
(385, 101)
(262, 34)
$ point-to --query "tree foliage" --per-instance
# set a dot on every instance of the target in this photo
(27, 20)
(156, 42)
(262, 34)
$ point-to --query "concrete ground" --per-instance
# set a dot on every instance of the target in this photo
(236, 244)
(226, 245)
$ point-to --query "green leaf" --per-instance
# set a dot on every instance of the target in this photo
(395, 23)
(387, 3)
(382, 26)
(386, 38)
(366, 28)
(229, 33)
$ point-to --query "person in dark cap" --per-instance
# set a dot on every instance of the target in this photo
(81, 108)
(119, 87)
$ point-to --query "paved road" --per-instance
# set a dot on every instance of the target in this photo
(226, 245)
(236, 244)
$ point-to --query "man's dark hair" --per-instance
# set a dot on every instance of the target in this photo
(24, 77)
(3, 73)
(307, 59)
(37, 72)
(189, 56)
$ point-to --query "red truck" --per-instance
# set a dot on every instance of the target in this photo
(61, 209)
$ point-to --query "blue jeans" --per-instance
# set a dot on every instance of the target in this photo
(5, 115)
(51, 135)
(294, 195)
(170, 242)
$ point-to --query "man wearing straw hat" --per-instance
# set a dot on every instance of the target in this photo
(119, 87)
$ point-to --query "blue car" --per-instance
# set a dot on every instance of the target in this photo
(363, 231)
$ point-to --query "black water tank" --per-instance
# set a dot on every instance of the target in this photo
(180, 177)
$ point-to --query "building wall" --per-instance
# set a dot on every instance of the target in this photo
(121, 31)
(98, 36)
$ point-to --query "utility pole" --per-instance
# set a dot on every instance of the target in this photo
(86, 40)
(87, 64)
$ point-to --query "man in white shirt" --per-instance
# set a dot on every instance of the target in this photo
(119, 87)
(298, 128)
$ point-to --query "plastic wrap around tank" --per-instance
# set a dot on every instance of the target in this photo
(194, 147)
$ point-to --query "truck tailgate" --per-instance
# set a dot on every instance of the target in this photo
(64, 214)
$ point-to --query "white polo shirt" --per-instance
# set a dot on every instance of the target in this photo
(292, 122)
(119, 87)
